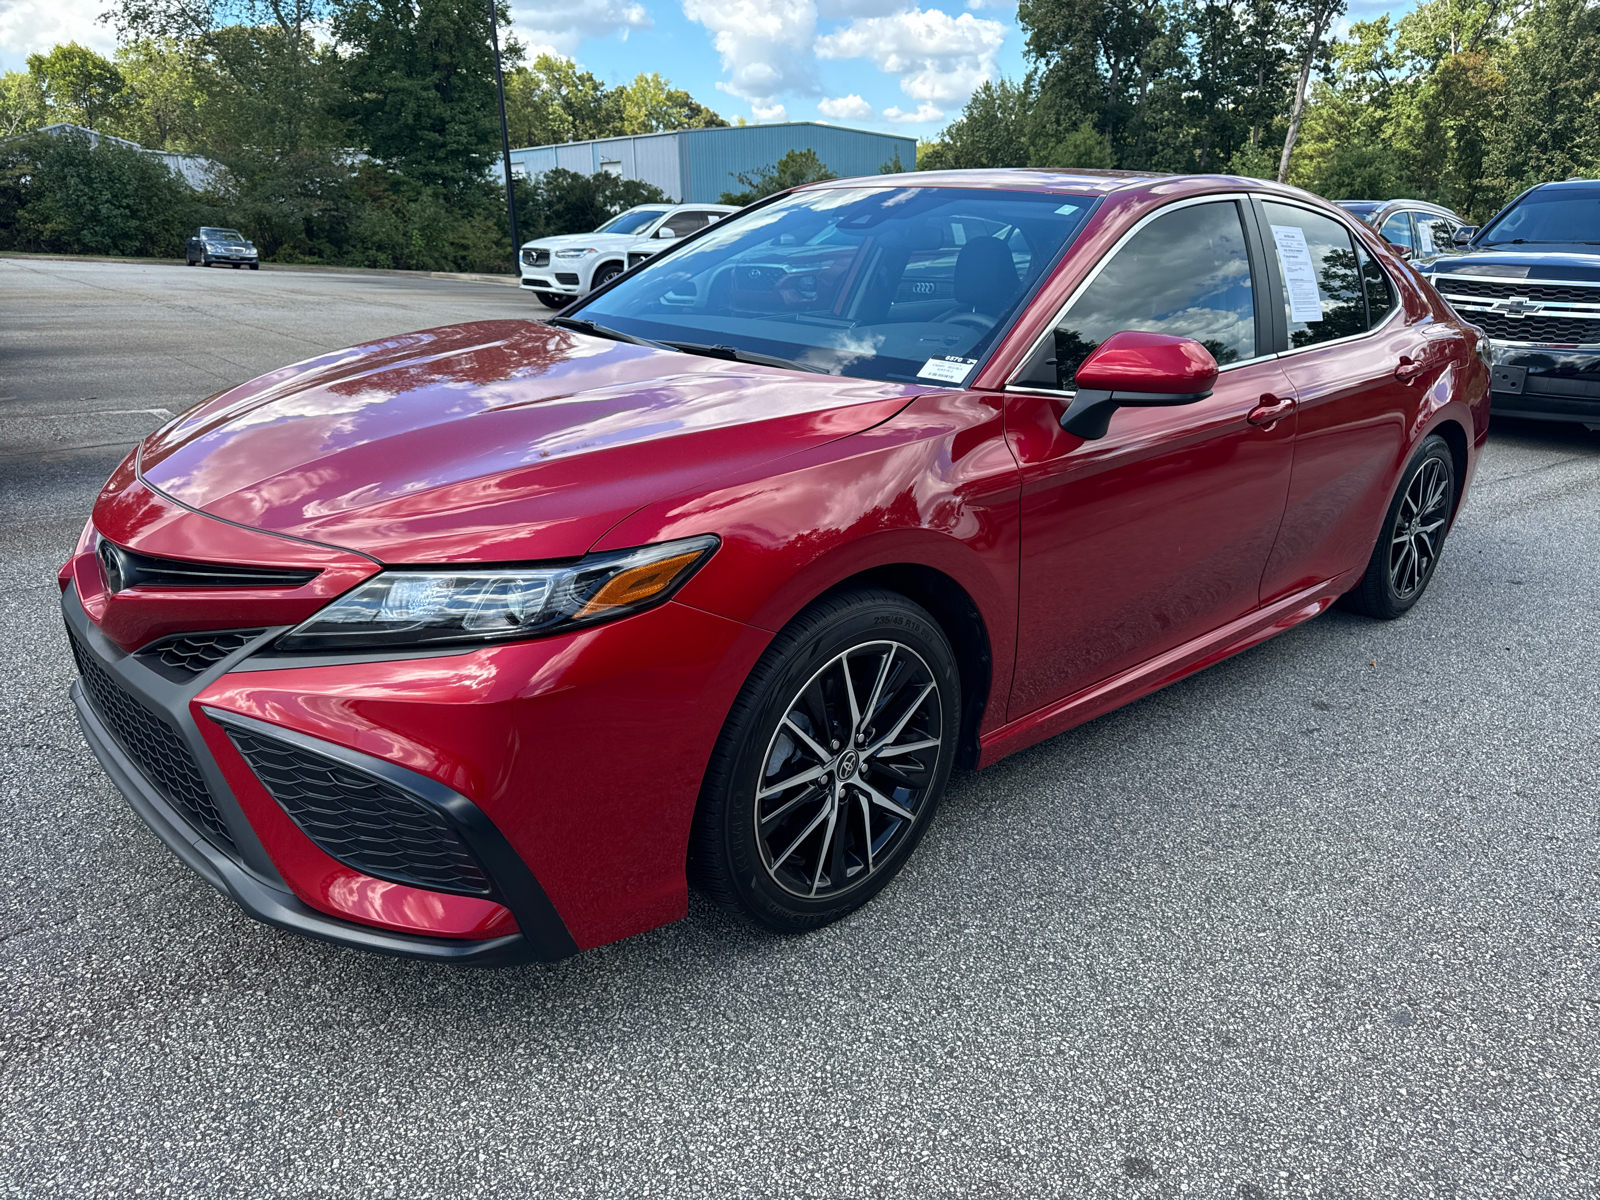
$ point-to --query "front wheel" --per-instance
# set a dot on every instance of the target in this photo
(604, 276)
(831, 763)
(255, 266)
(552, 299)
(1412, 537)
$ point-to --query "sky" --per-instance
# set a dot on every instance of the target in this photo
(905, 66)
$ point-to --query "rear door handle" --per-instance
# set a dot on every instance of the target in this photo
(1270, 410)
(1408, 369)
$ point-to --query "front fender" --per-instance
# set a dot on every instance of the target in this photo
(933, 487)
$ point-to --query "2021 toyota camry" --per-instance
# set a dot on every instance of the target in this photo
(480, 644)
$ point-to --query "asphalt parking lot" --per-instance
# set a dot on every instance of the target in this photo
(1318, 922)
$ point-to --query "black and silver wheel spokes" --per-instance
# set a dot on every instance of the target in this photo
(846, 771)
(1418, 529)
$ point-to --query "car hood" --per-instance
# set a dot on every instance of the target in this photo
(598, 241)
(494, 441)
(1519, 262)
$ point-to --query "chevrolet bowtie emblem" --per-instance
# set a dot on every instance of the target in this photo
(1517, 306)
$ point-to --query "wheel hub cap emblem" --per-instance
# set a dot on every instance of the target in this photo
(849, 763)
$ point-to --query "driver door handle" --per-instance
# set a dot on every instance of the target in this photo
(1408, 369)
(1270, 410)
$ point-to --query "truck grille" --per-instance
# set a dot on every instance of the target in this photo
(1526, 311)
(363, 821)
(155, 747)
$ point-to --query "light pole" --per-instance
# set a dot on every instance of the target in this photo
(505, 138)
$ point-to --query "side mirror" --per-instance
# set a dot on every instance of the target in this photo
(664, 232)
(1464, 234)
(1137, 370)
(1403, 252)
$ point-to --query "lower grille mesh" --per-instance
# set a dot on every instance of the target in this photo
(363, 821)
(157, 749)
(184, 655)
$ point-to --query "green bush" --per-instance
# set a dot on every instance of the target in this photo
(60, 195)
(561, 201)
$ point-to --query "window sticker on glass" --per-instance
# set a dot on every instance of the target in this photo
(1067, 210)
(947, 369)
(1299, 276)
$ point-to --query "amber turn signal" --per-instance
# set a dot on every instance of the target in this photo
(638, 584)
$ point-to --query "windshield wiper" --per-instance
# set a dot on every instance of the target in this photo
(616, 335)
(734, 354)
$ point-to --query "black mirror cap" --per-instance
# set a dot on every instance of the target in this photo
(1464, 235)
(1089, 414)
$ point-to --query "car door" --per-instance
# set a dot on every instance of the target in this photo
(1357, 368)
(1158, 532)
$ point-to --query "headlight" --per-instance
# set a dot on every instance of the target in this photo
(402, 608)
(583, 253)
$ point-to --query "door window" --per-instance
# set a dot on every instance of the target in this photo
(1322, 297)
(1380, 292)
(1436, 234)
(1187, 274)
(683, 224)
(1397, 231)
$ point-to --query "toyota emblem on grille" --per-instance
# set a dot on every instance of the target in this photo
(1516, 306)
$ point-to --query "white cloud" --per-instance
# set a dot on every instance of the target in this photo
(845, 108)
(34, 26)
(940, 59)
(920, 115)
(765, 47)
(558, 26)
(844, 9)
(1008, 5)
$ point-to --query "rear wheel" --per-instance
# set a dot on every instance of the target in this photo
(831, 763)
(1412, 537)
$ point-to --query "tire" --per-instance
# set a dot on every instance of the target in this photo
(1412, 536)
(605, 275)
(553, 299)
(255, 266)
(819, 848)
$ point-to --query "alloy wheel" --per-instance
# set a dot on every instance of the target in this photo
(1419, 529)
(848, 768)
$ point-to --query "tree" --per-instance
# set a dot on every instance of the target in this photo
(420, 83)
(562, 201)
(992, 130)
(265, 49)
(162, 97)
(79, 85)
(1317, 16)
(793, 169)
(650, 104)
(554, 101)
(22, 103)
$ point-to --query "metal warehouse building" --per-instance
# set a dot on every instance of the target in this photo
(698, 165)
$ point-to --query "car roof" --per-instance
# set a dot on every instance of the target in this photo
(1368, 207)
(1565, 183)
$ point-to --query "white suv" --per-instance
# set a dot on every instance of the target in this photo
(557, 270)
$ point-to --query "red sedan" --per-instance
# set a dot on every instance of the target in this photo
(482, 643)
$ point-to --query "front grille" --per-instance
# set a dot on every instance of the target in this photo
(569, 278)
(126, 568)
(363, 821)
(1565, 330)
(536, 257)
(183, 656)
(1561, 293)
(155, 747)
(1571, 315)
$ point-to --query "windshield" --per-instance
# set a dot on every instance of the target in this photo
(875, 282)
(222, 235)
(631, 222)
(1554, 215)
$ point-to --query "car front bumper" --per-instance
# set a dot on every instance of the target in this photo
(1546, 383)
(570, 766)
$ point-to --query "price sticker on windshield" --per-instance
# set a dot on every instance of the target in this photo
(1299, 275)
(946, 368)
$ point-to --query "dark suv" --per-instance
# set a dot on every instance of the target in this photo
(1531, 279)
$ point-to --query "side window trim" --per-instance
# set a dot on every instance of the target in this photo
(1270, 295)
(1241, 201)
(1355, 240)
